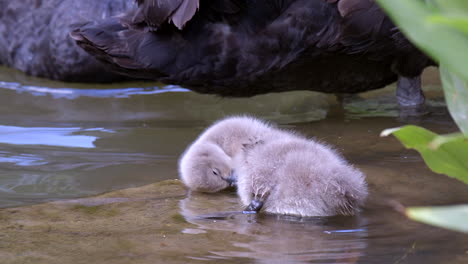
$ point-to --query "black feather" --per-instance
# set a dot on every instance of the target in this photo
(248, 47)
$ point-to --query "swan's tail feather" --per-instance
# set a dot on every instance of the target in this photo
(127, 51)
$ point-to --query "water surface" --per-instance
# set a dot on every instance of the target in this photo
(60, 141)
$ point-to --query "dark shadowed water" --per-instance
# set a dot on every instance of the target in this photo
(61, 141)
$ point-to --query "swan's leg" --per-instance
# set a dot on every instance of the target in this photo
(409, 92)
(410, 97)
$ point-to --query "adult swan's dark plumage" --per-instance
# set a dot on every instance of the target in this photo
(34, 37)
(248, 47)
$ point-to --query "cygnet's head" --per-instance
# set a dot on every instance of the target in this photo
(206, 167)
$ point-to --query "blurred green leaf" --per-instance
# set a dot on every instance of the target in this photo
(450, 158)
(442, 42)
(451, 217)
(440, 28)
(456, 96)
(458, 22)
(450, 6)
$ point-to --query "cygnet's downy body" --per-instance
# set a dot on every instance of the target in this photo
(207, 164)
(297, 176)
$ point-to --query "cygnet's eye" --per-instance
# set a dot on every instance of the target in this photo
(216, 172)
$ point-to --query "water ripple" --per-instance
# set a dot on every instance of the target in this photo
(48, 136)
(21, 159)
(73, 93)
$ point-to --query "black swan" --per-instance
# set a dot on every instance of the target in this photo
(249, 47)
(34, 37)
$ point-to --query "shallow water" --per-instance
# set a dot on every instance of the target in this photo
(60, 141)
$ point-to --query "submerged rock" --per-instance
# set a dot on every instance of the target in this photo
(136, 225)
(121, 222)
(34, 37)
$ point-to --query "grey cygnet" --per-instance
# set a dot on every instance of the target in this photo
(207, 164)
(298, 176)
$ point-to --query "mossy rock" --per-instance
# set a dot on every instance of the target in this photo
(137, 225)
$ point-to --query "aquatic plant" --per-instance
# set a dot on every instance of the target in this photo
(440, 28)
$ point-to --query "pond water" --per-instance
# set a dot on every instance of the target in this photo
(60, 141)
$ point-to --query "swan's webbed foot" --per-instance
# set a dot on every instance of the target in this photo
(254, 206)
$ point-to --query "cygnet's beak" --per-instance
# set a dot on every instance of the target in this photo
(232, 179)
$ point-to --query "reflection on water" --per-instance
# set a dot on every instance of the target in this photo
(31, 174)
(378, 235)
(73, 93)
(59, 140)
(277, 239)
(49, 136)
(21, 159)
(60, 143)
(30, 100)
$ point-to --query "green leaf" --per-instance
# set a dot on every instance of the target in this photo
(444, 43)
(440, 140)
(457, 22)
(450, 158)
(450, 217)
(450, 6)
(456, 96)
